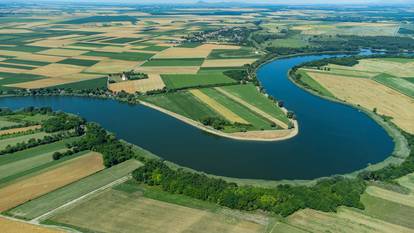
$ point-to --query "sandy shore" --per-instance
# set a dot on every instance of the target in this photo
(263, 135)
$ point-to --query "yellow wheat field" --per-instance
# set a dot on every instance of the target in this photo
(153, 82)
(112, 66)
(201, 51)
(370, 94)
(168, 69)
(56, 69)
(19, 130)
(63, 52)
(227, 62)
(12, 226)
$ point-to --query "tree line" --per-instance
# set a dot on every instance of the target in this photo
(98, 139)
(326, 195)
(37, 142)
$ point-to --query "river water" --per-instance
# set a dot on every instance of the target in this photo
(333, 138)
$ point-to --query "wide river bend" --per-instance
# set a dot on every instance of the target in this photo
(333, 138)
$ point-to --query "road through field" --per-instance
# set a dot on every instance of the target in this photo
(116, 182)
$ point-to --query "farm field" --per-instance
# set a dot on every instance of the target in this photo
(345, 220)
(183, 103)
(12, 226)
(19, 130)
(77, 52)
(35, 151)
(249, 94)
(385, 211)
(384, 89)
(24, 138)
(175, 81)
(257, 121)
(199, 63)
(35, 186)
(153, 82)
(219, 108)
(398, 84)
(152, 215)
(75, 190)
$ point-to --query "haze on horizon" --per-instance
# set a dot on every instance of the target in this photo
(282, 2)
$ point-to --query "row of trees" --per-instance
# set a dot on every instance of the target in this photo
(37, 142)
(349, 43)
(58, 155)
(219, 123)
(326, 195)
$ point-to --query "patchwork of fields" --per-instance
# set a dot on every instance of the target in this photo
(80, 51)
(38, 179)
(64, 51)
(382, 84)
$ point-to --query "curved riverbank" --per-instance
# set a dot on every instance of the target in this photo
(401, 147)
(338, 147)
(264, 135)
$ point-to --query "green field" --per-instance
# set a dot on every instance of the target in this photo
(26, 62)
(155, 48)
(183, 103)
(89, 45)
(388, 211)
(24, 138)
(11, 169)
(36, 118)
(23, 48)
(399, 84)
(54, 199)
(11, 78)
(257, 122)
(179, 81)
(121, 40)
(127, 56)
(307, 80)
(35, 151)
(6, 123)
(237, 53)
(175, 62)
(22, 67)
(78, 62)
(250, 94)
(100, 19)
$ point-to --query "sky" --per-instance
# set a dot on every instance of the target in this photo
(288, 2)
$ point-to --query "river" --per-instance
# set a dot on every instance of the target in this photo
(333, 138)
